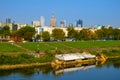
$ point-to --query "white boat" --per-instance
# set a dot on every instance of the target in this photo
(74, 56)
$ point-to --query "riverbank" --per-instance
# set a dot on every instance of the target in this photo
(30, 65)
(11, 54)
(17, 66)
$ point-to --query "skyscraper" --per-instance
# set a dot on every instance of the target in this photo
(79, 23)
(42, 21)
(53, 21)
(63, 23)
(8, 20)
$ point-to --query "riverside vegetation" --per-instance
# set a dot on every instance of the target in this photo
(109, 48)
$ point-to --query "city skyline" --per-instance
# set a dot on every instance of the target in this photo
(92, 12)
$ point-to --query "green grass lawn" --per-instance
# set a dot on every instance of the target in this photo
(59, 45)
(7, 47)
(35, 46)
(93, 44)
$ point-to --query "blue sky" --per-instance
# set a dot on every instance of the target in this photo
(100, 12)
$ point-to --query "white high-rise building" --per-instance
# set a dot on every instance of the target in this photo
(42, 21)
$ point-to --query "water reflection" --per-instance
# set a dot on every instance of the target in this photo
(58, 70)
(27, 71)
(114, 62)
(70, 69)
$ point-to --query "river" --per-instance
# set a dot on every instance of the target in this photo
(110, 70)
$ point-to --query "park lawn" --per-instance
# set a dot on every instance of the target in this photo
(7, 47)
(43, 46)
(93, 44)
(58, 45)
(35, 46)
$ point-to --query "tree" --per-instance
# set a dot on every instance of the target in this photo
(14, 33)
(37, 37)
(102, 33)
(5, 31)
(116, 34)
(86, 34)
(110, 33)
(26, 32)
(58, 34)
(71, 32)
(46, 36)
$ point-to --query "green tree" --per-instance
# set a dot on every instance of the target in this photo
(14, 33)
(58, 34)
(37, 37)
(5, 31)
(71, 32)
(26, 32)
(102, 33)
(46, 36)
(86, 34)
(110, 32)
(116, 34)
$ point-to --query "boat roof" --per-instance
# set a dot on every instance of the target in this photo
(73, 56)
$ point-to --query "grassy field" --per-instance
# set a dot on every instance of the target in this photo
(7, 47)
(93, 44)
(109, 48)
(36, 46)
(43, 46)
(59, 45)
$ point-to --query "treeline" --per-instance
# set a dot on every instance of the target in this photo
(96, 34)
(29, 34)
(26, 32)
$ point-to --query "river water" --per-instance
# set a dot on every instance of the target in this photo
(110, 70)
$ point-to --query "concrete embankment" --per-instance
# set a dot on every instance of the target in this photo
(16, 66)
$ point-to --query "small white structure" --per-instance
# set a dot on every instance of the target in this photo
(73, 56)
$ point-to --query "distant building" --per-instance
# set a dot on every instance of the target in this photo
(14, 27)
(8, 20)
(99, 26)
(53, 21)
(79, 23)
(1, 24)
(21, 25)
(39, 30)
(42, 21)
(36, 23)
(16, 38)
(63, 23)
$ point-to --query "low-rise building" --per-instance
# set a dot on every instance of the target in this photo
(39, 30)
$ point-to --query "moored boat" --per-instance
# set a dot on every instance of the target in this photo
(74, 58)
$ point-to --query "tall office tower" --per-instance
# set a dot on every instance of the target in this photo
(8, 20)
(63, 23)
(42, 21)
(79, 23)
(53, 21)
(36, 23)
